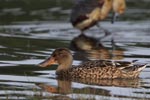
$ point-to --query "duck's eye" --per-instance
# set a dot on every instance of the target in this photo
(54, 55)
(60, 54)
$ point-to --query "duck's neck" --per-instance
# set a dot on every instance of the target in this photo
(65, 65)
(106, 9)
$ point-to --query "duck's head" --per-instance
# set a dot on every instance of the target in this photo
(61, 56)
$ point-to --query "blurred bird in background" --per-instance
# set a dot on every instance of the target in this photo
(87, 13)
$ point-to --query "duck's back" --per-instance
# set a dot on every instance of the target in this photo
(106, 63)
(103, 69)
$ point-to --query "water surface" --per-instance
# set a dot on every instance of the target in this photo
(26, 42)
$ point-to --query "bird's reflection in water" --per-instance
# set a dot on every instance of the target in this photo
(65, 86)
(91, 48)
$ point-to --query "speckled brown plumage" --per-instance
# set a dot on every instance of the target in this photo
(97, 69)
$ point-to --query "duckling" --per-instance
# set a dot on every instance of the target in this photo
(96, 69)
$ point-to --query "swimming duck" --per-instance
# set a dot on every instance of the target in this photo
(96, 69)
(87, 13)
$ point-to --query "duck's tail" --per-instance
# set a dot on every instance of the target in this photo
(137, 68)
(141, 67)
(133, 61)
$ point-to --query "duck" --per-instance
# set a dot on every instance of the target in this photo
(87, 13)
(93, 69)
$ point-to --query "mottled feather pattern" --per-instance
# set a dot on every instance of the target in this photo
(106, 63)
(100, 69)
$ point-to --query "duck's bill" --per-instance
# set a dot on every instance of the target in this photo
(114, 17)
(48, 88)
(49, 61)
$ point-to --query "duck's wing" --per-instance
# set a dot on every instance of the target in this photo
(134, 67)
(107, 63)
(123, 64)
